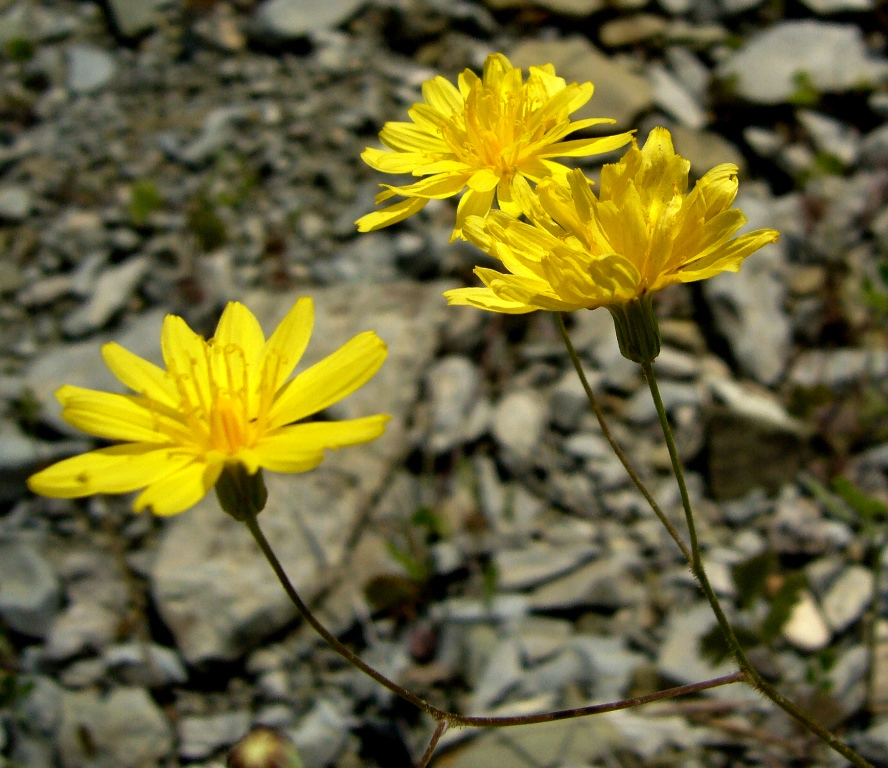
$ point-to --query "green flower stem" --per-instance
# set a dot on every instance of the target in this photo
(599, 414)
(451, 718)
(696, 561)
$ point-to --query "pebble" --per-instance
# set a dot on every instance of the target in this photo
(806, 628)
(833, 57)
(679, 658)
(847, 599)
(532, 565)
(83, 626)
(831, 136)
(124, 729)
(826, 7)
(519, 421)
(321, 736)
(673, 98)
(687, 67)
(287, 19)
(605, 583)
(90, 69)
(29, 588)
(202, 735)
(15, 203)
(836, 368)
(133, 17)
(459, 412)
(619, 93)
(111, 292)
(145, 664)
(641, 409)
(568, 401)
(631, 29)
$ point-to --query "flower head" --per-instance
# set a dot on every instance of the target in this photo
(486, 135)
(644, 231)
(225, 402)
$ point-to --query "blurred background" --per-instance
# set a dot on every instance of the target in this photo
(489, 552)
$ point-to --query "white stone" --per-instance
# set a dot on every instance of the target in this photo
(848, 598)
(806, 629)
(29, 589)
(672, 97)
(89, 68)
(519, 420)
(293, 18)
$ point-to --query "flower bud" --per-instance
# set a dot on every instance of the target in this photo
(241, 494)
(637, 329)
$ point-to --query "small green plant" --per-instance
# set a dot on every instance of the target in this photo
(205, 224)
(20, 49)
(805, 94)
(145, 199)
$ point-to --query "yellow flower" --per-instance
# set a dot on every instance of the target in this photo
(225, 402)
(643, 232)
(484, 135)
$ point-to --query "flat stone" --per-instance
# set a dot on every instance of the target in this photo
(564, 7)
(145, 664)
(837, 368)
(772, 66)
(705, 149)
(111, 293)
(133, 17)
(124, 729)
(519, 420)
(674, 99)
(806, 628)
(606, 583)
(212, 586)
(81, 365)
(626, 30)
(295, 18)
(321, 736)
(29, 588)
(15, 203)
(611, 664)
(202, 735)
(459, 414)
(537, 563)
(89, 68)
(680, 658)
(84, 626)
(847, 599)
(831, 136)
(619, 93)
(825, 7)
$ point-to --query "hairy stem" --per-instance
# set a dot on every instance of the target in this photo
(696, 561)
(430, 749)
(605, 430)
(452, 718)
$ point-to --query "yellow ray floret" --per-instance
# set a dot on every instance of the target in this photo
(481, 137)
(229, 400)
(644, 231)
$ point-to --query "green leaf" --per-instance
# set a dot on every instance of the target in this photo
(784, 601)
(145, 199)
(417, 570)
(428, 518)
(868, 507)
(750, 575)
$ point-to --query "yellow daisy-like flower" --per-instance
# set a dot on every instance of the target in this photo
(484, 135)
(643, 232)
(226, 402)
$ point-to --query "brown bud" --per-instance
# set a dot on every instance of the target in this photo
(264, 748)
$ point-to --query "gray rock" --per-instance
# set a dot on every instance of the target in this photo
(626, 30)
(825, 7)
(89, 68)
(874, 147)
(764, 141)
(216, 133)
(619, 93)
(541, 637)
(568, 401)
(33, 751)
(641, 409)
(519, 421)
(537, 563)
(82, 365)
(831, 136)
(848, 598)
(673, 98)
(587, 445)
(848, 678)
(124, 729)
(502, 673)
(145, 664)
(693, 73)
(594, 334)
(111, 293)
(705, 150)
(873, 742)
(322, 734)
(202, 735)
(133, 17)
(15, 203)
(772, 65)
(680, 658)
(806, 628)
(42, 706)
(459, 413)
(84, 626)
(611, 665)
(367, 259)
(565, 7)
(295, 18)
(29, 588)
(607, 583)
(212, 586)
(748, 305)
(837, 368)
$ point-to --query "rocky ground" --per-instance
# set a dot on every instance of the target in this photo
(489, 551)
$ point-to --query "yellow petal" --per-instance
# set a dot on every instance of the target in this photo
(284, 349)
(483, 180)
(484, 298)
(330, 380)
(291, 448)
(393, 162)
(585, 147)
(118, 469)
(442, 95)
(235, 350)
(435, 187)
(180, 490)
(407, 137)
(187, 360)
(391, 215)
(117, 417)
(729, 259)
(140, 376)
(472, 203)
